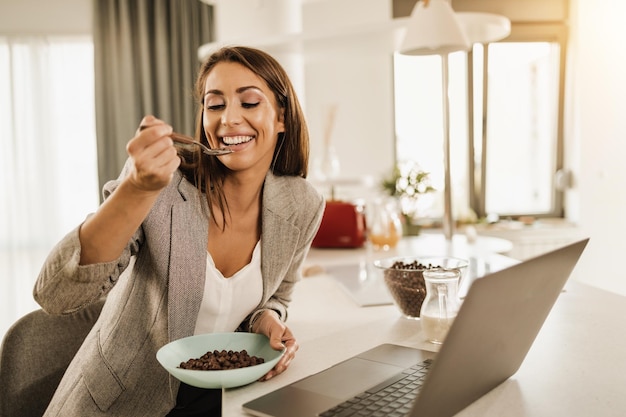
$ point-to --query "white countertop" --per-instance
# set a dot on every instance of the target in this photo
(575, 367)
(426, 244)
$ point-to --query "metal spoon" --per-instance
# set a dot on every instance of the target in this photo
(188, 140)
(180, 138)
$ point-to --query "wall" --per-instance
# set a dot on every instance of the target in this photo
(596, 135)
(353, 72)
(58, 17)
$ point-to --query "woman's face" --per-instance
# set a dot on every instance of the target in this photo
(240, 111)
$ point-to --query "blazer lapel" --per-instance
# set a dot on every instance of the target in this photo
(279, 235)
(188, 255)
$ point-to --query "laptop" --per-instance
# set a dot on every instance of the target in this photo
(497, 324)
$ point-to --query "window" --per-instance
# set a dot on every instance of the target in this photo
(419, 124)
(506, 150)
(521, 157)
(48, 170)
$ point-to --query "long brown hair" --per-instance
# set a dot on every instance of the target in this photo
(291, 155)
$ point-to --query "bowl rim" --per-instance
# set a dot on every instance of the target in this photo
(378, 263)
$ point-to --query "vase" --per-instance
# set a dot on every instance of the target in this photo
(410, 228)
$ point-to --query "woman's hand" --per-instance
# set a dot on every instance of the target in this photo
(104, 235)
(153, 154)
(280, 337)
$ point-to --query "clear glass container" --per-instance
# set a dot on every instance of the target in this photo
(403, 276)
(384, 227)
(441, 304)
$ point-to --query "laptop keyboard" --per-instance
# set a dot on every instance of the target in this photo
(391, 398)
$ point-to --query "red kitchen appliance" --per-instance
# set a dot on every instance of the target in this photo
(343, 226)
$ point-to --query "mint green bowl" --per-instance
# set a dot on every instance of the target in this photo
(171, 355)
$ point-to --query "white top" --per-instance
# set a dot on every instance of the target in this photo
(226, 302)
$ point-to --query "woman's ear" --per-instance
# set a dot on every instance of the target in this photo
(281, 120)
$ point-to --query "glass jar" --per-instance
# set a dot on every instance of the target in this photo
(441, 304)
(384, 227)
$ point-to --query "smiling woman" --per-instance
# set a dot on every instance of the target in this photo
(176, 245)
(49, 149)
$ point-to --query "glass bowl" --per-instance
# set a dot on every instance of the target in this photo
(405, 281)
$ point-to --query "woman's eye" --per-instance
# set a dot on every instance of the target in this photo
(249, 105)
(213, 107)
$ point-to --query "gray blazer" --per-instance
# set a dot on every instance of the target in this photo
(154, 290)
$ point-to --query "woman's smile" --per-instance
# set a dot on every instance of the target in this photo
(236, 140)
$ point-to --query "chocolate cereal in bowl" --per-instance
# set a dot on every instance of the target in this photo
(405, 281)
(219, 360)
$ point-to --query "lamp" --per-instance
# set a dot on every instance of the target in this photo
(484, 27)
(435, 29)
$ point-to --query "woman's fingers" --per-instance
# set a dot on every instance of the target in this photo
(280, 338)
(154, 156)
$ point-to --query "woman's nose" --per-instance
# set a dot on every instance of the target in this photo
(231, 116)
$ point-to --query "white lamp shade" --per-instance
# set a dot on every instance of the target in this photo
(484, 27)
(434, 29)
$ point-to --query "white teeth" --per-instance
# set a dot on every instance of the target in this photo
(236, 140)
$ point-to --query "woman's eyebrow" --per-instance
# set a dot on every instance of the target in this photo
(238, 91)
(248, 87)
(216, 92)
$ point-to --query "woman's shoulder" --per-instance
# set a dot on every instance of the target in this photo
(294, 186)
(292, 197)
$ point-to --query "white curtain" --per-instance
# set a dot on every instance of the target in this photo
(48, 165)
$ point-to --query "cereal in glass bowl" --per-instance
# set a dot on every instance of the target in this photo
(404, 278)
